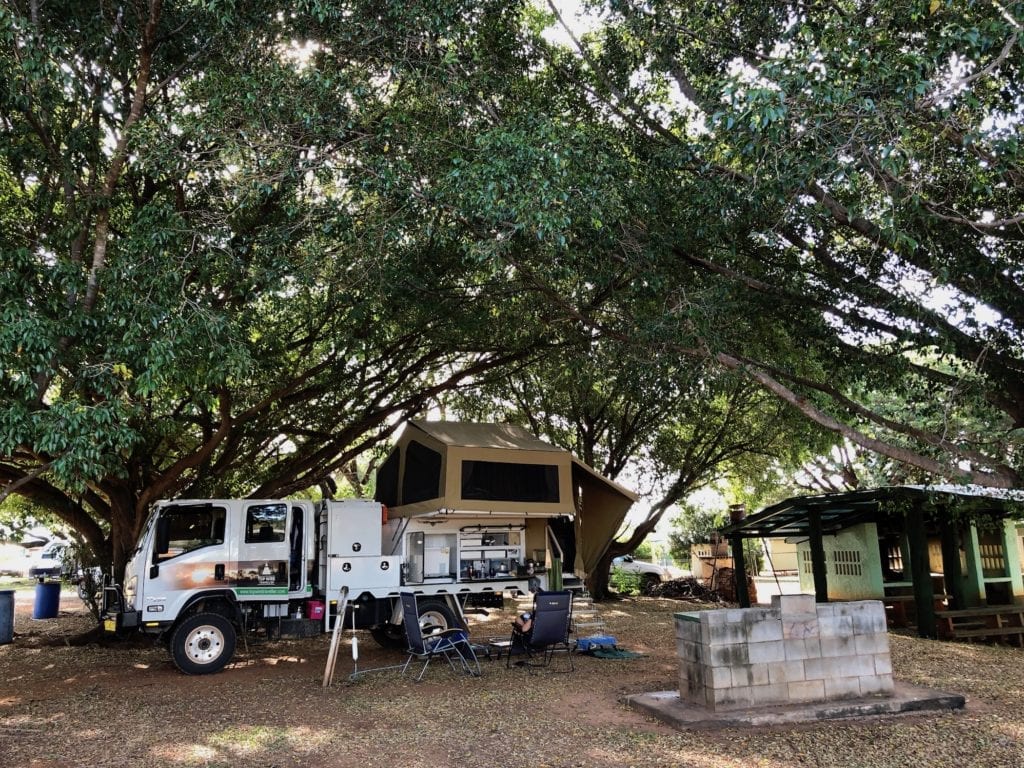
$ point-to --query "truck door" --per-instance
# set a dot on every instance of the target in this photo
(264, 550)
(191, 552)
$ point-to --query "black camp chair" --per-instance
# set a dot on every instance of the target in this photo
(452, 643)
(548, 632)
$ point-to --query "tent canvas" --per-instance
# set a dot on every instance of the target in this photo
(501, 471)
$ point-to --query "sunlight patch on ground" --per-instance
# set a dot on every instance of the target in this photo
(250, 740)
(185, 753)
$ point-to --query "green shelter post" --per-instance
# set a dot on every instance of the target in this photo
(954, 577)
(921, 573)
(817, 556)
(740, 572)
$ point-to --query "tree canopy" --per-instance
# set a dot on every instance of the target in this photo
(241, 244)
(848, 217)
(210, 282)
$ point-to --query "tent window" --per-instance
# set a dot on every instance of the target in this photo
(387, 480)
(500, 481)
(422, 480)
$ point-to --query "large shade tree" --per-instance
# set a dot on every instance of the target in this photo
(848, 178)
(210, 282)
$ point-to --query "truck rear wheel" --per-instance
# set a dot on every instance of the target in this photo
(390, 636)
(435, 615)
(203, 644)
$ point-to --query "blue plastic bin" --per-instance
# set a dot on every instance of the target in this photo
(47, 600)
(6, 616)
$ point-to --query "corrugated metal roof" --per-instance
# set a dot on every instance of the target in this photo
(837, 511)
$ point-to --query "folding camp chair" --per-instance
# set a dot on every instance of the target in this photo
(548, 632)
(452, 643)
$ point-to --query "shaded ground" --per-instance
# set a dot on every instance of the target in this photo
(92, 706)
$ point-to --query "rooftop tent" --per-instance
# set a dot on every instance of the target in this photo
(455, 468)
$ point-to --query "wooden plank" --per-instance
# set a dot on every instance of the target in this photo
(986, 631)
(982, 610)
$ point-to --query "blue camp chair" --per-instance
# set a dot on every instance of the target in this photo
(453, 644)
(548, 632)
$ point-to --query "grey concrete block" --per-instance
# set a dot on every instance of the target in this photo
(728, 634)
(877, 642)
(766, 652)
(715, 618)
(688, 651)
(799, 625)
(835, 625)
(729, 655)
(790, 604)
(807, 690)
(825, 610)
(764, 630)
(751, 674)
(797, 649)
(837, 645)
(786, 672)
(718, 677)
(868, 623)
(730, 698)
(883, 664)
(876, 684)
(842, 688)
(766, 695)
(687, 630)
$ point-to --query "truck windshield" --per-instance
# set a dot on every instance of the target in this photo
(192, 527)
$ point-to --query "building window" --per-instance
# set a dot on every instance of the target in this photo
(846, 562)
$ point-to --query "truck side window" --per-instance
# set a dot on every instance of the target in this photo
(265, 522)
(191, 528)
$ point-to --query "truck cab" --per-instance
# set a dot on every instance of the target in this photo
(230, 561)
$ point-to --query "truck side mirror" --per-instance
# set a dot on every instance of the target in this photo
(163, 538)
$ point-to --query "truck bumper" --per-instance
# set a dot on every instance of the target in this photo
(116, 621)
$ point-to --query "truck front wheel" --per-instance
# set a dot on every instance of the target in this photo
(203, 644)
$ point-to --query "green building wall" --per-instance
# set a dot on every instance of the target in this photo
(852, 563)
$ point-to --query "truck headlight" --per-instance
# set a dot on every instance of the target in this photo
(129, 590)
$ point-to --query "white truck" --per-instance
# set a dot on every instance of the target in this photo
(206, 570)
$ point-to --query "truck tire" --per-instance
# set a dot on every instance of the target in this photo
(203, 644)
(436, 615)
(390, 636)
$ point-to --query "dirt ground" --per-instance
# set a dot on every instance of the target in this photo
(119, 705)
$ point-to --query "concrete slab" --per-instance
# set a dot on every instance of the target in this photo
(669, 708)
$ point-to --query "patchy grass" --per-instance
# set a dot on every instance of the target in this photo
(63, 706)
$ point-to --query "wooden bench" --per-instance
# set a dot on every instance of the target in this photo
(896, 608)
(990, 622)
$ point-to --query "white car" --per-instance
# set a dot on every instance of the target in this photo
(650, 574)
(14, 560)
(48, 561)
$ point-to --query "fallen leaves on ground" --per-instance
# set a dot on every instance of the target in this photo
(112, 706)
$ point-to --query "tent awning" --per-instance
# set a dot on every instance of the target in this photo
(500, 470)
